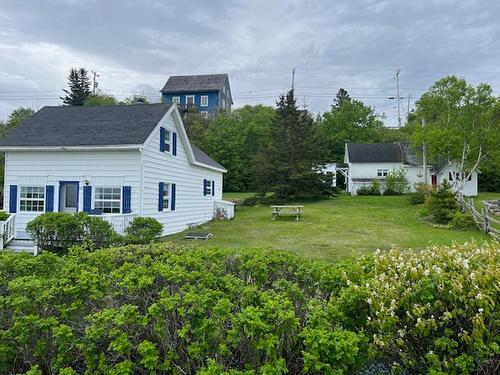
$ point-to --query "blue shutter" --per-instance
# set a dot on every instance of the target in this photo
(174, 143)
(213, 187)
(172, 200)
(205, 187)
(13, 199)
(87, 198)
(126, 196)
(49, 198)
(162, 139)
(160, 196)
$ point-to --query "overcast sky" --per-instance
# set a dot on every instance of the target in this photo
(358, 45)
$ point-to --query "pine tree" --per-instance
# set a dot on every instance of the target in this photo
(341, 97)
(79, 87)
(289, 166)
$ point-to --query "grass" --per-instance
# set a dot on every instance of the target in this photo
(333, 229)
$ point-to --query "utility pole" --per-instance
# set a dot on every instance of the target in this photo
(397, 88)
(424, 157)
(408, 109)
(94, 84)
(293, 79)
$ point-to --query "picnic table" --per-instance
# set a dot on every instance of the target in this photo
(287, 210)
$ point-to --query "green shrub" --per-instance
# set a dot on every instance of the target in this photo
(461, 220)
(4, 215)
(373, 189)
(396, 182)
(442, 204)
(164, 308)
(58, 231)
(143, 230)
(436, 311)
(421, 192)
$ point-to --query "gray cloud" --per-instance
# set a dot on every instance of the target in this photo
(136, 45)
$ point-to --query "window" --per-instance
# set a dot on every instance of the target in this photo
(166, 195)
(167, 141)
(108, 199)
(189, 99)
(382, 172)
(32, 198)
(208, 187)
(176, 99)
(204, 100)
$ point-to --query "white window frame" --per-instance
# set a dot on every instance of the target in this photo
(204, 101)
(187, 99)
(382, 172)
(167, 145)
(176, 99)
(95, 199)
(204, 113)
(166, 197)
(208, 188)
(32, 199)
(224, 103)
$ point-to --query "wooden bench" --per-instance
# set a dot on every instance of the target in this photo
(287, 210)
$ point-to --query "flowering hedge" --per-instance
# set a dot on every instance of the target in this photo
(166, 309)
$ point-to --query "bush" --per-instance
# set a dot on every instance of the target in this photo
(143, 230)
(4, 215)
(422, 190)
(396, 182)
(163, 308)
(58, 231)
(442, 204)
(373, 189)
(461, 220)
(436, 311)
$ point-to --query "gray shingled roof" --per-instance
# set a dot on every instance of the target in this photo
(92, 126)
(204, 158)
(374, 152)
(397, 152)
(205, 82)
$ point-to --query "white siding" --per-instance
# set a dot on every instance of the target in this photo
(470, 188)
(369, 170)
(101, 168)
(192, 207)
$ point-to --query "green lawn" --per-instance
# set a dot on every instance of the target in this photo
(332, 229)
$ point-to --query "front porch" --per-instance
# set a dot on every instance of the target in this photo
(119, 222)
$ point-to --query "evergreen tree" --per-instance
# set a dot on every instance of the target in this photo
(79, 87)
(341, 97)
(289, 166)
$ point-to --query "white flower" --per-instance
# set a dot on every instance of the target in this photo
(480, 310)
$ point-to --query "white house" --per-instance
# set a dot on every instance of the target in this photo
(370, 162)
(116, 161)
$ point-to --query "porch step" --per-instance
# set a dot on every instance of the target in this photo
(20, 245)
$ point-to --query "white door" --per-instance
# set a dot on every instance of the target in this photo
(69, 197)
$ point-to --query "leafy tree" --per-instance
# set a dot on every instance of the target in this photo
(348, 120)
(135, 99)
(196, 125)
(462, 124)
(79, 87)
(99, 100)
(15, 118)
(290, 164)
(237, 140)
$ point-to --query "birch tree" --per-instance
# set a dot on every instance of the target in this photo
(462, 126)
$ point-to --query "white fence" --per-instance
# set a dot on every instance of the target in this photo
(119, 221)
(7, 230)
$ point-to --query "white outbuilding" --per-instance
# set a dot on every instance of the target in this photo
(119, 162)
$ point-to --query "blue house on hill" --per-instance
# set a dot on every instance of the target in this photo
(209, 93)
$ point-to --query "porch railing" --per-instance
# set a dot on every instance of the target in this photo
(119, 221)
(7, 230)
